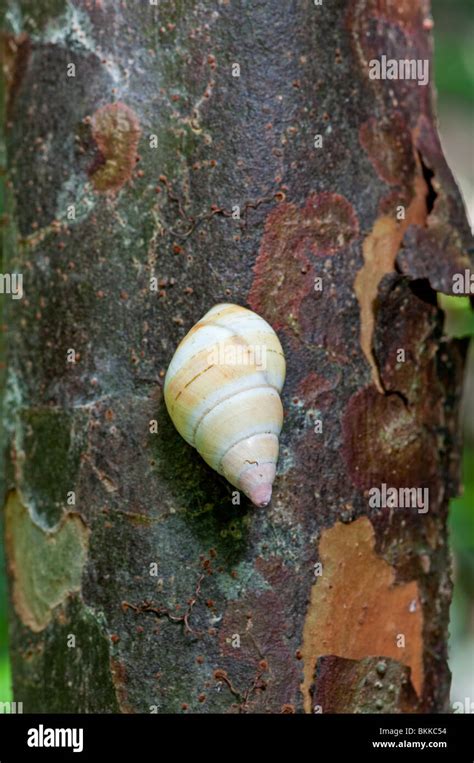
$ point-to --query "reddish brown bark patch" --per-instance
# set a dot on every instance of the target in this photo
(283, 272)
(315, 386)
(387, 441)
(120, 681)
(332, 221)
(356, 609)
(391, 202)
(389, 147)
(406, 13)
(397, 30)
(116, 130)
(406, 322)
(363, 16)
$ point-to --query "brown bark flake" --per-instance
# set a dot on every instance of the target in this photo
(356, 609)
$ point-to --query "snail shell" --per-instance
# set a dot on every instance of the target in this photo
(222, 391)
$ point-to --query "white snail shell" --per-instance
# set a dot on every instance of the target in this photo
(222, 391)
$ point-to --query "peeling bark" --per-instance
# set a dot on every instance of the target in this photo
(179, 600)
(378, 610)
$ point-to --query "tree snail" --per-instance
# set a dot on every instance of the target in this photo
(222, 391)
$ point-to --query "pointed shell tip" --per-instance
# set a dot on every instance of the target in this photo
(261, 495)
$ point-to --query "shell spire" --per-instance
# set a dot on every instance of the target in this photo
(222, 391)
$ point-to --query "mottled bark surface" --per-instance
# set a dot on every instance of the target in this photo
(236, 617)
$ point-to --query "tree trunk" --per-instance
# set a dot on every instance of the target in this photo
(163, 158)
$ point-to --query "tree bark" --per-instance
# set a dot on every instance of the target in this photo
(136, 134)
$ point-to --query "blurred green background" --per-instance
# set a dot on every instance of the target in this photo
(454, 74)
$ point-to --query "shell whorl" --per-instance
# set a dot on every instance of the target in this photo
(222, 391)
